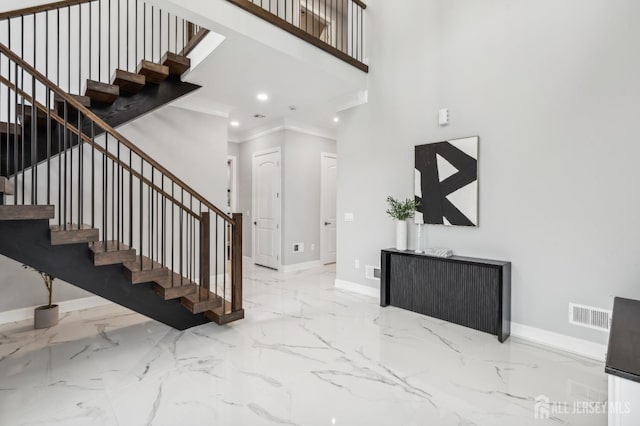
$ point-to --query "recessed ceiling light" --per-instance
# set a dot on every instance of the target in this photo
(234, 123)
(336, 119)
(263, 97)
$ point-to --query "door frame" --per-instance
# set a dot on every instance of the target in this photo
(322, 238)
(234, 182)
(254, 185)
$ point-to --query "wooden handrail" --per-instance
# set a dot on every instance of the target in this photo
(194, 41)
(41, 8)
(361, 4)
(108, 129)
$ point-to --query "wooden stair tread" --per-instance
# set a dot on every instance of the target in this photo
(224, 315)
(102, 92)
(128, 82)
(58, 101)
(149, 271)
(167, 291)
(26, 212)
(197, 305)
(73, 234)
(6, 186)
(177, 64)
(111, 253)
(10, 128)
(154, 73)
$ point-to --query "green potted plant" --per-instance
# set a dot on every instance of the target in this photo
(45, 316)
(400, 211)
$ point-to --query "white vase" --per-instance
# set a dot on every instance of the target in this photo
(401, 235)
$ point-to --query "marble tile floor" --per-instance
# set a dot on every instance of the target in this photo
(306, 354)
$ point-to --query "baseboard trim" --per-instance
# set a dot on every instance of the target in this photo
(563, 342)
(23, 314)
(301, 266)
(357, 288)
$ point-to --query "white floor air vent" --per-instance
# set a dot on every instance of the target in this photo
(590, 317)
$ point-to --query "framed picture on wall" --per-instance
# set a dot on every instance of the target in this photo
(446, 182)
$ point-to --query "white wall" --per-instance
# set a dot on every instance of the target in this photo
(300, 190)
(192, 145)
(23, 288)
(552, 90)
(302, 194)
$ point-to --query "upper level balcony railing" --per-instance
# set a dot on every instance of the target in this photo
(335, 26)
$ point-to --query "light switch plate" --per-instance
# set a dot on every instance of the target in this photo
(443, 116)
(348, 217)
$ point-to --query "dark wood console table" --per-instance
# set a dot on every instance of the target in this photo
(475, 293)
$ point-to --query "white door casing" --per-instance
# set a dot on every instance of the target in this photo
(266, 201)
(328, 219)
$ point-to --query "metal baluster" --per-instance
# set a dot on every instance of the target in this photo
(119, 21)
(151, 215)
(181, 240)
(80, 169)
(105, 193)
(152, 30)
(216, 251)
(144, 31)
(173, 240)
(141, 229)
(48, 105)
(79, 50)
(90, 39)
(118, 196)
(164, 215)
(130, 198)
(100, 40)
(64, 147)
(109, 41)
(93, 175)
(34, 136)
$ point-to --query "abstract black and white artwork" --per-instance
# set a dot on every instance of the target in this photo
(446, 182)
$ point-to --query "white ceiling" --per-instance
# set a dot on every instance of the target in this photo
(239, 68)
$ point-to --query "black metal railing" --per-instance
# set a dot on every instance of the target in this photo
(101, 179)
(336, 26)
(73, 41)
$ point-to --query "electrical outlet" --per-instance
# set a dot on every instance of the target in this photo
(313, 247)
(356, 264)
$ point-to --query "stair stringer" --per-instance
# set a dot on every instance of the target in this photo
(28, 242)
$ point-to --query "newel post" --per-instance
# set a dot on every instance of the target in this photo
(236, 263)
(205, 254)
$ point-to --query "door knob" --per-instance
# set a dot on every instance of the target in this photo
(327, 223)
(255, 223)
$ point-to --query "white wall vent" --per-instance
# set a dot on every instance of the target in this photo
(590, 317)
(372, 272)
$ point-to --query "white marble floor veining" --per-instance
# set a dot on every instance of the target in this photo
(306, 354)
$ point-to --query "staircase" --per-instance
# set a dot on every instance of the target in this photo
(81, 202)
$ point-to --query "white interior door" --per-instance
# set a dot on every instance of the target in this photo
(328, 208)
(266, 208)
